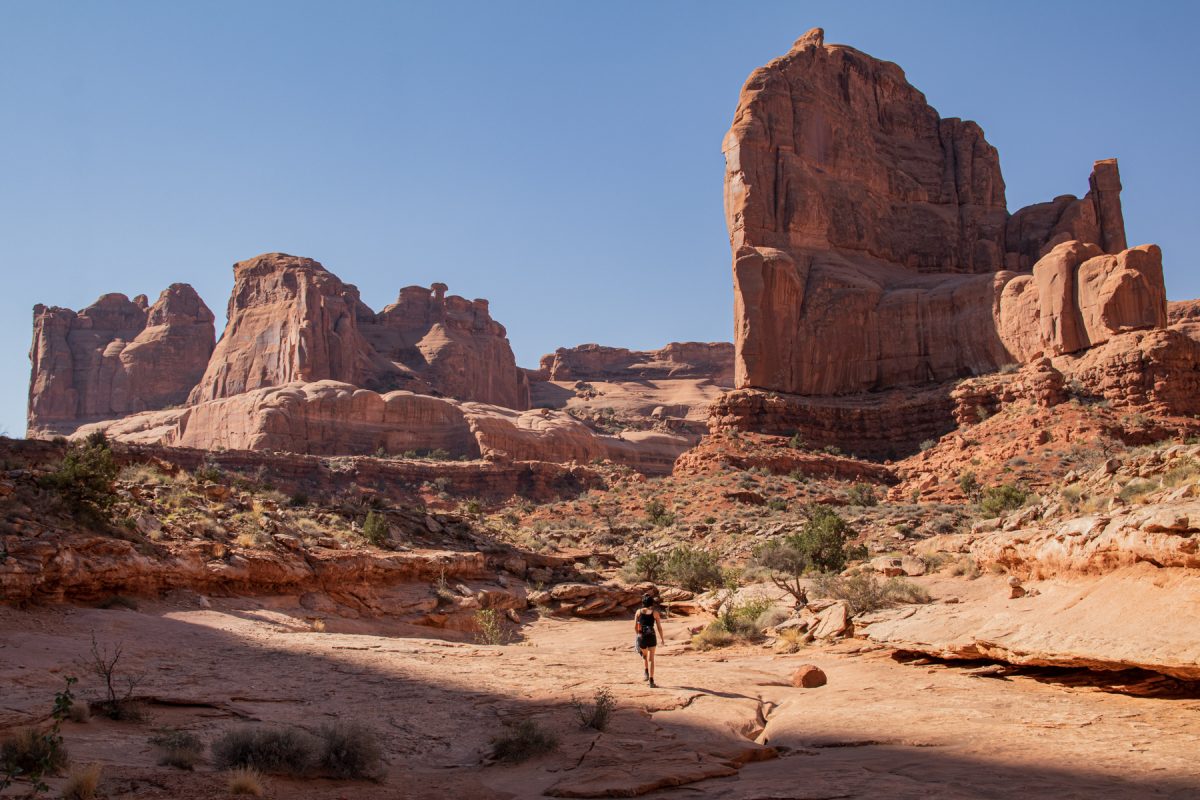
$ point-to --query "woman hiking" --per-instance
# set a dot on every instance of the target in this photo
(644, 622)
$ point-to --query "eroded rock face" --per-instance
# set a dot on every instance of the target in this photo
(873, 248)
(333, 418)
(117, 356)
(447, 343)
(712, 360)
(289, 319)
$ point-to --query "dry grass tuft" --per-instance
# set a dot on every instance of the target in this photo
(245, 780)
(82, 783)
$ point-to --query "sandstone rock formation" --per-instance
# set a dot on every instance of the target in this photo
(291, 320)
(873, 249)
(117, 356)
(593, 362)
(335, 418)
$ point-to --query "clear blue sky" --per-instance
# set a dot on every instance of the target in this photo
(562, 159)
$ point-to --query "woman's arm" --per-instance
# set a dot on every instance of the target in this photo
(658, 624)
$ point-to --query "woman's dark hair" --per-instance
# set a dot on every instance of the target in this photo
(647, 601)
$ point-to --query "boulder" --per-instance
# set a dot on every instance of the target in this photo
(834, 621)
(808, 676)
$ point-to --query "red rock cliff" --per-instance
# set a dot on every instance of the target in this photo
(872, 245)
(116, 357)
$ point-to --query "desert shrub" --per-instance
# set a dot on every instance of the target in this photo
(777, 504)
(522, 741)
(298, 500)
(489, 627)
(741, 619)
(1135, 490)
(118, 702)
(375, 528)
(1183, 469)
(791, 640)
(658, 515)
(245, 780)
(1005, 497)
(692, 568)
(969, 484)
(209, 471)
(350, 750)
(821, 545)
(473, 507)
(966, 566)
(772, 617)
(646, 567)
(862, 494)
(865, 592)
(33, 752)
(84, 479)
(176, 748)
(797, 442)
(714, 635)
(1072, 494)
(596, 713)
(290, 751)
(82, 783)
(927, 444)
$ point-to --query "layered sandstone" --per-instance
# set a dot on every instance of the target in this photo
(117, 356)
(593, 362)
(872, 245)
(333, 418)
(289, 319)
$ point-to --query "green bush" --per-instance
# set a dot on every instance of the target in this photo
(597, 713)
(693, 569)
(375, 528)
(777, 504)
(489, 627)
(864, 592)
(741, 619)
(1005, 497)
(822, 545)
(523, 741)
(658, 515)
(84, 479)
(862, 494)
(713, 636)
(30, 751)
(969, 485)
(289, 751)
(646, 567)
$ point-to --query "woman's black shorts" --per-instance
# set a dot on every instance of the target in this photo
(647, 640)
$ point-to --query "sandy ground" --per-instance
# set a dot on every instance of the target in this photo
(880, 728)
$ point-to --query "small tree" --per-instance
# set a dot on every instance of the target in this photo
(1005, 497)
(84, 479)
(658, 514)
(375, 528)
(693, 569)
(821, 545)
(970, 486)
(862, 494)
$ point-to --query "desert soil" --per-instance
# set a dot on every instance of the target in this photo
(879, 728)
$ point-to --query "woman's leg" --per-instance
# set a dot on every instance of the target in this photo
(650, 661)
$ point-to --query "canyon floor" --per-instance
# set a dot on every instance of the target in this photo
(882, 727)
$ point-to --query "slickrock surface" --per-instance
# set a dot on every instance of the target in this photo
(878, 728)
(115, 357)
(851, 202)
